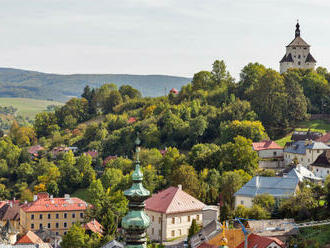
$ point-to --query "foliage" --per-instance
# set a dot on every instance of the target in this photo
(194, 228)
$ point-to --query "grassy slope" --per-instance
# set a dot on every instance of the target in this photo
(27, 107)
(315, 125)
(321, 234)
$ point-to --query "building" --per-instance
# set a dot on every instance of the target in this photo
(305, 152)
(30, 238)
(55, 214)
(94, 227)
(321, 166)
(9, 211)
(297, 54)
(270, 154)
(302, 173)
(171, 212)
(257, 241)
(325, 139)
(283, 229)
(306, 135)
(8, 234)
(279, 187)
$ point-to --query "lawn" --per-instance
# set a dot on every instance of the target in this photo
(27, 107)
(82, 194)
(319, 234)
(314, 125)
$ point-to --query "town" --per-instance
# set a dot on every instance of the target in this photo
(213, 162)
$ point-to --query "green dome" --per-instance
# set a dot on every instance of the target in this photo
(136, 219)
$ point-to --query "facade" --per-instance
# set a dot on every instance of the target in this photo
(270, 154)
(297, 54)
(321, 166)
(55, 214)
(279, 187)
(305, 152)
(171, 212)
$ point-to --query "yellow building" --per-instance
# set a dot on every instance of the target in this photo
(55, 214)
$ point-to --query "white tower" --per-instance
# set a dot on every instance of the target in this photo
(297, 54)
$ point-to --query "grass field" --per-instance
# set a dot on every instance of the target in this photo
(82, 194)
(319, 234)
(314, 125)
(27, 107)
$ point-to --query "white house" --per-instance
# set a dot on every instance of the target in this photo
(321, 166)
(270, 154)
(171, 212)
(306, 152)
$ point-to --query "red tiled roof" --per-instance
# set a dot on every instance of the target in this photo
(260, 241)
(173, 200)
(35, 149)
(94, 226)
(93, 154)
(109, 158)
(265, 145)
(173, 90)
(207, 245)
(30, 238)
(131, 120)
(9, 211)
(46, 204)
(325, 138)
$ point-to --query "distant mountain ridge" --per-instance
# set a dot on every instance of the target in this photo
(38, 85)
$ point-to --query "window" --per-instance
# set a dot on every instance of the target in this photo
(274, 153)
(56, 225)
(318, 151)
(152, 231)
(32, 226)
(180, 220)
(81, 215)
(197, 217)
(242, 202)
(57, 216)
(40, 226)
(298, 62)
(153, 218)
(32, 216)
(299, 56)
(65, 224)
(301, 159)
(56, 233)
(64, 233)
(65, 215)
(188, 218)
(317, 169)
(173, 220)
(40, 216)
(49, 216)
(73, 216)
(327, 172)
(173, 233)
(180, 232)
(309, 160)
(48, 225)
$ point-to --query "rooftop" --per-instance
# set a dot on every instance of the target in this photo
(30, 238)
(323, 160)
(261, 241)
(173, 200)
(273, 227)
(94, 226)
(325, 138)
(265, 145)
(300, 147)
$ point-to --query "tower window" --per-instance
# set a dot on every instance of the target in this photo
(299, 56)
(298, 62)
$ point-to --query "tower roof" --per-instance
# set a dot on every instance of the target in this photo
(298, 42)
(310, 58)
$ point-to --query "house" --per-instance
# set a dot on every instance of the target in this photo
(302, 173)
(304, 151)
(94, 227)
(174, 91)
(55, 214)
(9, 211)
(59, 149)
(325, 139)
(30, 238)
(93, 153)
(297, 54)
(8, 234)
(321, 166)
(305, 135)
(279, 187)
(270, 154)
(34, 151)
(49, 237)
(108, 159)
(131, 120)
(171, 212)
(257, 241)
(283, 229)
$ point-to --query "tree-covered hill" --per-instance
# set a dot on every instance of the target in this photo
(31, 84)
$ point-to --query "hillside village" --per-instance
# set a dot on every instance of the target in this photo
(199, 167)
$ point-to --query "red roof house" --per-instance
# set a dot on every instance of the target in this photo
(174, 91)
(30, 238)
(325, 139)
(94, 226)
(107, 159)
(131, 120)
(266, 145)
(262, 242)
(92, 153)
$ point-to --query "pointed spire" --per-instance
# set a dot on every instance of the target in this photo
(297, 33)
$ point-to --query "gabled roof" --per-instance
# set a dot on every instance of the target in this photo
(9, 211)
(265, 145)
(281, 187)
(260, 241)
(94, 226)
(30, 238)
(300, 147)
(310, 58)
(323, 160)
(303, 173)
(298, 42)
(325, 138)
(287, 58)
(35, 149)
(305, 135)
(173, 200)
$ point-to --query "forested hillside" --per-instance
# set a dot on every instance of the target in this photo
(199, 137)
(30, 84)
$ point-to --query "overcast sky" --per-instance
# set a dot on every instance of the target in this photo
(175, 37)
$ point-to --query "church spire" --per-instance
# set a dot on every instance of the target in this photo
(136, 221)
(297, 33)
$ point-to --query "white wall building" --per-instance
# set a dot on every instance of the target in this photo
(305, 151)
(297, 54)
(270, 154)
(321, 166)
(171, 212)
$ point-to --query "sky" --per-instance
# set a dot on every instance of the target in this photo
(172, 37)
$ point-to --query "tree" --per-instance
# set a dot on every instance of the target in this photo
(113, 99)
(194, 228)
(151, 179)
(75, 237)
(259, 213)
(265, 201)
(129, 91)
(204, 156)
(238, 155)
(45, 123)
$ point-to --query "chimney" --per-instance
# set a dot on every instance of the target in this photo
(51, 197)
(35, 197)
(180, 187)
(11, 204)
(257, 181)
(67, 196)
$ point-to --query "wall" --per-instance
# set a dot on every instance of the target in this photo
(320, 171)
(273, 153)
(304, 159)
(243, 200)
(271, 164)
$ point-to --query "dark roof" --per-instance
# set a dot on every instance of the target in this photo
(310, 58)
(205, 234)
(287, 58)
(300, 147)
(325, 138)
(323, 160)
(303, 135)
(9, 211)
(113, 244)
(298, 42)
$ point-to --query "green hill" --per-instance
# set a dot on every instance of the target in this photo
(27, 107)
(31, 84)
